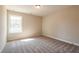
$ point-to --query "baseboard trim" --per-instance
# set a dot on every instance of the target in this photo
(63, 40)
(23, 38)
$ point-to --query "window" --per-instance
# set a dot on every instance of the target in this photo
(15, 24)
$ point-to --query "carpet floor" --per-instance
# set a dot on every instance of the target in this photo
(40, 44)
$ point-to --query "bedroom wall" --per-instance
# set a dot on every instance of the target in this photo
(3, 27)
(31, 26)
(63, 25)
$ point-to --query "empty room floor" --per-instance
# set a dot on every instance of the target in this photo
(40, 44)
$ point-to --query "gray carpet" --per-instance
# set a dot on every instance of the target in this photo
(39, 44)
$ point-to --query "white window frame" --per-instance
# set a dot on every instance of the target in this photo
(9, 24)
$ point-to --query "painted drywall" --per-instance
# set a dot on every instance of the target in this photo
(3, 27)
(31, 26)
(63, 25)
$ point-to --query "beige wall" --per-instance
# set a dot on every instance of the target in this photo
(63, 25)
(31, 26)
(3, 27)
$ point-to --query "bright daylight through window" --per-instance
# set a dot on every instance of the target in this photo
(15, 24)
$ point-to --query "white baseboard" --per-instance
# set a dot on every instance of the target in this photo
(63, 40)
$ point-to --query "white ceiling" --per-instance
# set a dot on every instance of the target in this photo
(42, 11)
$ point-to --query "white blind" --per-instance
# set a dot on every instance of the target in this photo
(15, 24)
